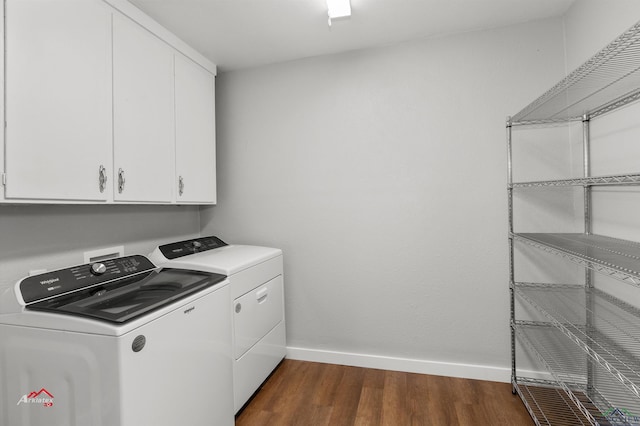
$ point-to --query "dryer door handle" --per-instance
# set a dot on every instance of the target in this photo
(261, 295)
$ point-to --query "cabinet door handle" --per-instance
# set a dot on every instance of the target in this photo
(102, 178)
(180, 185)
(120, 180)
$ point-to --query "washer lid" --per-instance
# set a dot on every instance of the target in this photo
(227, 260)
(126, 299)
(87, 325)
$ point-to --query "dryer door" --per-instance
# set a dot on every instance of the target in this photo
(256, 313)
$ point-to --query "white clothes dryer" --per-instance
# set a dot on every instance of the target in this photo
(257, 299)
(116, 343)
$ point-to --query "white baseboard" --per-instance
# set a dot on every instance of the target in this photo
(437, 368)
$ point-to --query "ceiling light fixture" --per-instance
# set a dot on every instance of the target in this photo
(338, 9)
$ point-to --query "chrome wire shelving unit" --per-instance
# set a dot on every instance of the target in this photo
(586, 340)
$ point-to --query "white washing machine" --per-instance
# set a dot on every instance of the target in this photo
(116, 343)
(257, 298)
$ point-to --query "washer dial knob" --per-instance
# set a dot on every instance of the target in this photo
(98, 269)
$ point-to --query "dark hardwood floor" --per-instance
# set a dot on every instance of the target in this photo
(312, 394)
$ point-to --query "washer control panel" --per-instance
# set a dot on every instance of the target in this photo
(54, 283)
(187, 247)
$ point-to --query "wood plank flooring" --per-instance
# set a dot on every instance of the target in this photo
(312, 394)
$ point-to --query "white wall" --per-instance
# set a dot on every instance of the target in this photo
(592, 24)
(50, 237)
(382, 175)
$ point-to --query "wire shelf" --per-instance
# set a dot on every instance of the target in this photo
(607, 81)
(626, 179)
(568, 365)
(613, 338)
(616, 258)
(549, 405)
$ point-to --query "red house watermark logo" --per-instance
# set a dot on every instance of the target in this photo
(42, 396)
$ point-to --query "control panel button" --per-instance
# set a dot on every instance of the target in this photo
(98, 268)
(196, 245)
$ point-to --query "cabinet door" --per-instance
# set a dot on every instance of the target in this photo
(58, 99)
(195, 132)
(144, 139)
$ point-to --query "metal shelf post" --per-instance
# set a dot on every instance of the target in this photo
(588, 274)
(511, 265)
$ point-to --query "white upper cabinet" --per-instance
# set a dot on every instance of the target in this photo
(58, 100)
(103, 105)
(143, 114)
(195, 132)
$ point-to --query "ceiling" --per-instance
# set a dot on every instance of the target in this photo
(236, 34)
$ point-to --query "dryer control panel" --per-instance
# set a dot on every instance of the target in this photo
(187, 247)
